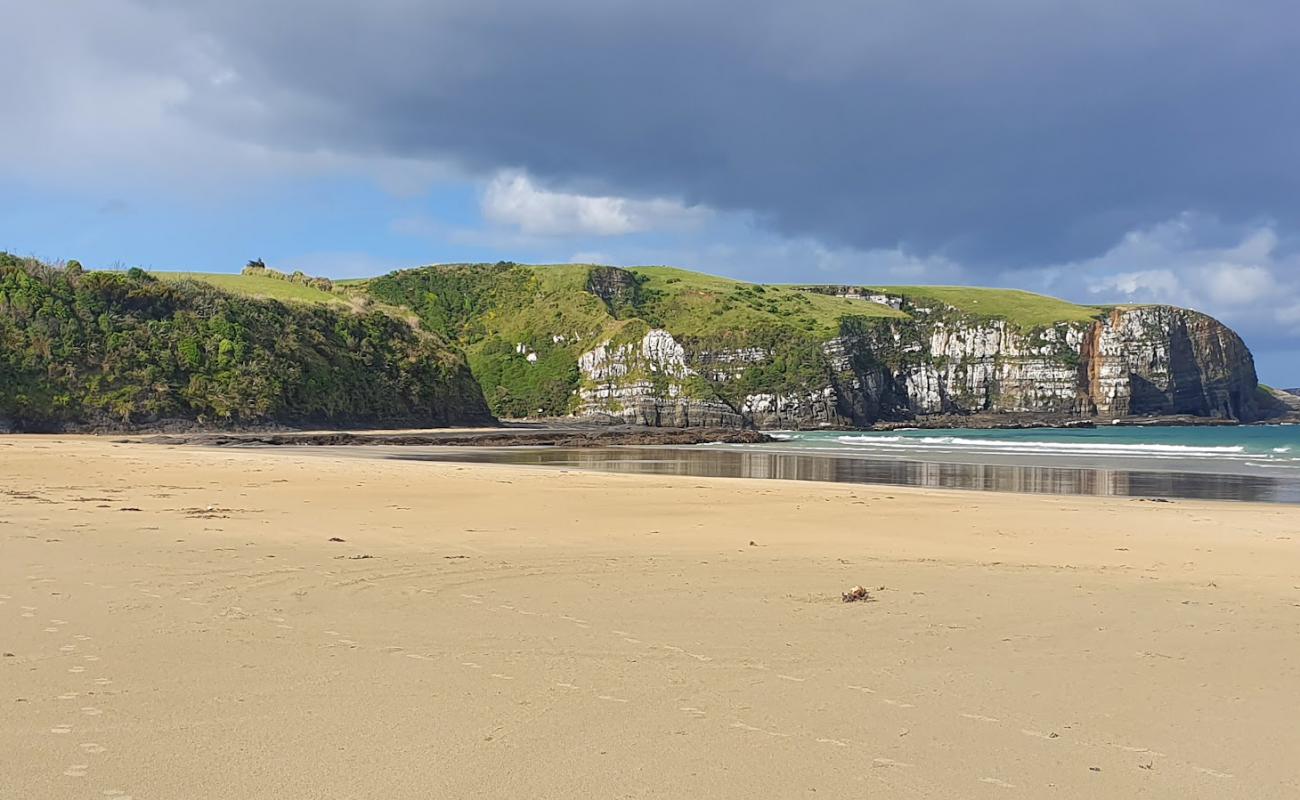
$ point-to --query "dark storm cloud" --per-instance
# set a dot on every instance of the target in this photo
(1007, 132)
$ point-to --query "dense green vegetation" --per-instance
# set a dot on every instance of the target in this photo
(119, 349)
(522, 328)
(234, 349)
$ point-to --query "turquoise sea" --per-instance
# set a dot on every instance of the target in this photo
(1245, 449)
(1241, 463)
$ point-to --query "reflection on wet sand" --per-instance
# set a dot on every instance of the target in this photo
(701, 462)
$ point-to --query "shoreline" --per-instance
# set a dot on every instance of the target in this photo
(874, 471)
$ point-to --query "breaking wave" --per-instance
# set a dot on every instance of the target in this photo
(1043, 447)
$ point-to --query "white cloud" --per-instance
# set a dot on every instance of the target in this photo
(1290, 315)
(1242, 275)
(512, 199)
(1237, 284)
(1145, 284)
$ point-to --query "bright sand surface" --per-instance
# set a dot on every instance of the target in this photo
(176, 623)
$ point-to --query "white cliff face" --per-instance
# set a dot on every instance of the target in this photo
(661, 352)
(992, 366)
(1123, 363)
(1122, 348)
(619, 380)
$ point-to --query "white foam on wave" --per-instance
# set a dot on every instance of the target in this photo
(1281, 449)
(783, 437)
(1058, 448)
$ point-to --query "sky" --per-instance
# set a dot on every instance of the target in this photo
(1114, 151)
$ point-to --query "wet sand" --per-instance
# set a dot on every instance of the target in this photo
(177, 622)
(930, 473)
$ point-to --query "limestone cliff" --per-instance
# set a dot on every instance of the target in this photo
(658, 346)
(1150, 360)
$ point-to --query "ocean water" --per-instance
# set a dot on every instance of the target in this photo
(1256, 464)
(1245, 450)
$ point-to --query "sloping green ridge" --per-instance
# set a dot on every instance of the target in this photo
(112, 349)
(523, 328)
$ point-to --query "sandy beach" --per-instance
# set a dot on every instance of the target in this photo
(293, 623)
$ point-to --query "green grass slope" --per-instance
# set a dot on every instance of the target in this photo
(691, 304)
(1025, 310)
(255, 286)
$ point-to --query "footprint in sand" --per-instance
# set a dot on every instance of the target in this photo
(744, 727)
(791, 678)
(1040, 734)
(76, 669)
(835, 742)
(51, 630)
(502, 677)
(470, 664)
(862, 689)
(116, 794)
(103, 682)
(889, 762)
(61, 729)
(897, 703)
(998, 782)
(93, 748)
(91, 711)
(76, 770)
(68, 696)
(609, 699)
(67, 648)
(698, 713)
(980, 718)
(1212, 772)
